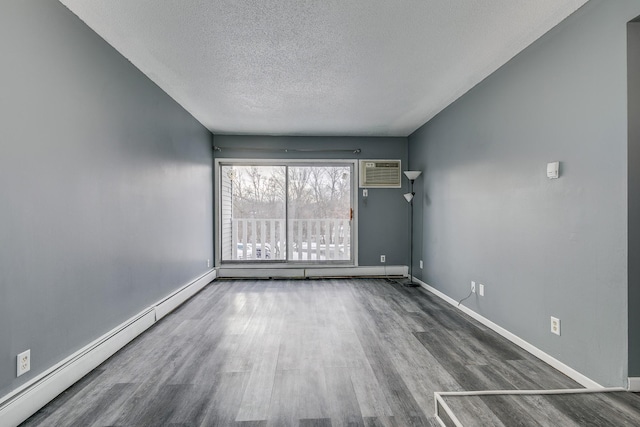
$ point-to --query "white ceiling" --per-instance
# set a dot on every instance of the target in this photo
(319, 67)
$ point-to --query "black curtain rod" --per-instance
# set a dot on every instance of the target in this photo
(290, 150)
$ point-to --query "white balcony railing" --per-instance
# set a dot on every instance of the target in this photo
(309, 240)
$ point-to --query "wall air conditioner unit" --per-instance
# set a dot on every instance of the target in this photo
(380, 174)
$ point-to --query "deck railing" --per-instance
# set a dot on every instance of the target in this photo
(309, 239)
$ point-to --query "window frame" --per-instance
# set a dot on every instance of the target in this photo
(218, 163)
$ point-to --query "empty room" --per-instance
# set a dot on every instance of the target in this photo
(319, 213)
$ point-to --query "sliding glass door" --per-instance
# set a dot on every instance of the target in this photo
(286, 212)
(319, 215)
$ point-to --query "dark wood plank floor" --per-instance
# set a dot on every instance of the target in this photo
(362, 352)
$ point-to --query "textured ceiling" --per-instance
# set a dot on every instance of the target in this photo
(319, 67)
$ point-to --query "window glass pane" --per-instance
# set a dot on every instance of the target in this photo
(253, 213)
(319, 213)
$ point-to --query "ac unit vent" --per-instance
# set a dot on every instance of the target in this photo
(380, 174)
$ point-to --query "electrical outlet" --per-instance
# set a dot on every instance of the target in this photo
(383, 258)
(421, 265)
(24, 363)
(473, 286)
(555, 325)
(481, 289)
(208, 263)
(365, 193)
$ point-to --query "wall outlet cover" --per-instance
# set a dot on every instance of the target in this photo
(383, 258)
(24, 363)
(555, 325)
(481, 289)
(473, 286)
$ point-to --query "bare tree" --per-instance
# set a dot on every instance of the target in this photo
(314, 191)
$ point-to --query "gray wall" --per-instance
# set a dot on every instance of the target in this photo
(105, 188)
(542, 247)
(382, 220)
(633, 75)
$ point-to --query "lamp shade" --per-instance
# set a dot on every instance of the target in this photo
(408, 196)
(412, 175)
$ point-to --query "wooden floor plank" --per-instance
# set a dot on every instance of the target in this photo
(342, 401)
(371, 398)
(257, 397)
(313, 398)
(151, 404)
(225, 397)
(286, 399)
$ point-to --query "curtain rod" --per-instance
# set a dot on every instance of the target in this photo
(291, 150)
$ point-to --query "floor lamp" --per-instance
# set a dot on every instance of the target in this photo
(412, 175)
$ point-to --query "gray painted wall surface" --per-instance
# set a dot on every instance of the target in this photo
(488, 213)
(382, 220)
(105, 188)
(633, 75)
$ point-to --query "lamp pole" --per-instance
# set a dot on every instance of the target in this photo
(411, 284)
(412, 175)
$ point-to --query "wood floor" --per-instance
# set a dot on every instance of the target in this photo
(362, 352)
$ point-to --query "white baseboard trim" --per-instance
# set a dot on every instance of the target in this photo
(26, 400)
(548, 359)
(633, 384)
(304, 272)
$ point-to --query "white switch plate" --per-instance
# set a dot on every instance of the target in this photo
(421, 264)
(473, 286)
(24, 363)
(208, 263)
(481, 289)
(555, 325)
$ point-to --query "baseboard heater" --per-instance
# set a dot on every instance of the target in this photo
(23, 402)
(309, 273)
